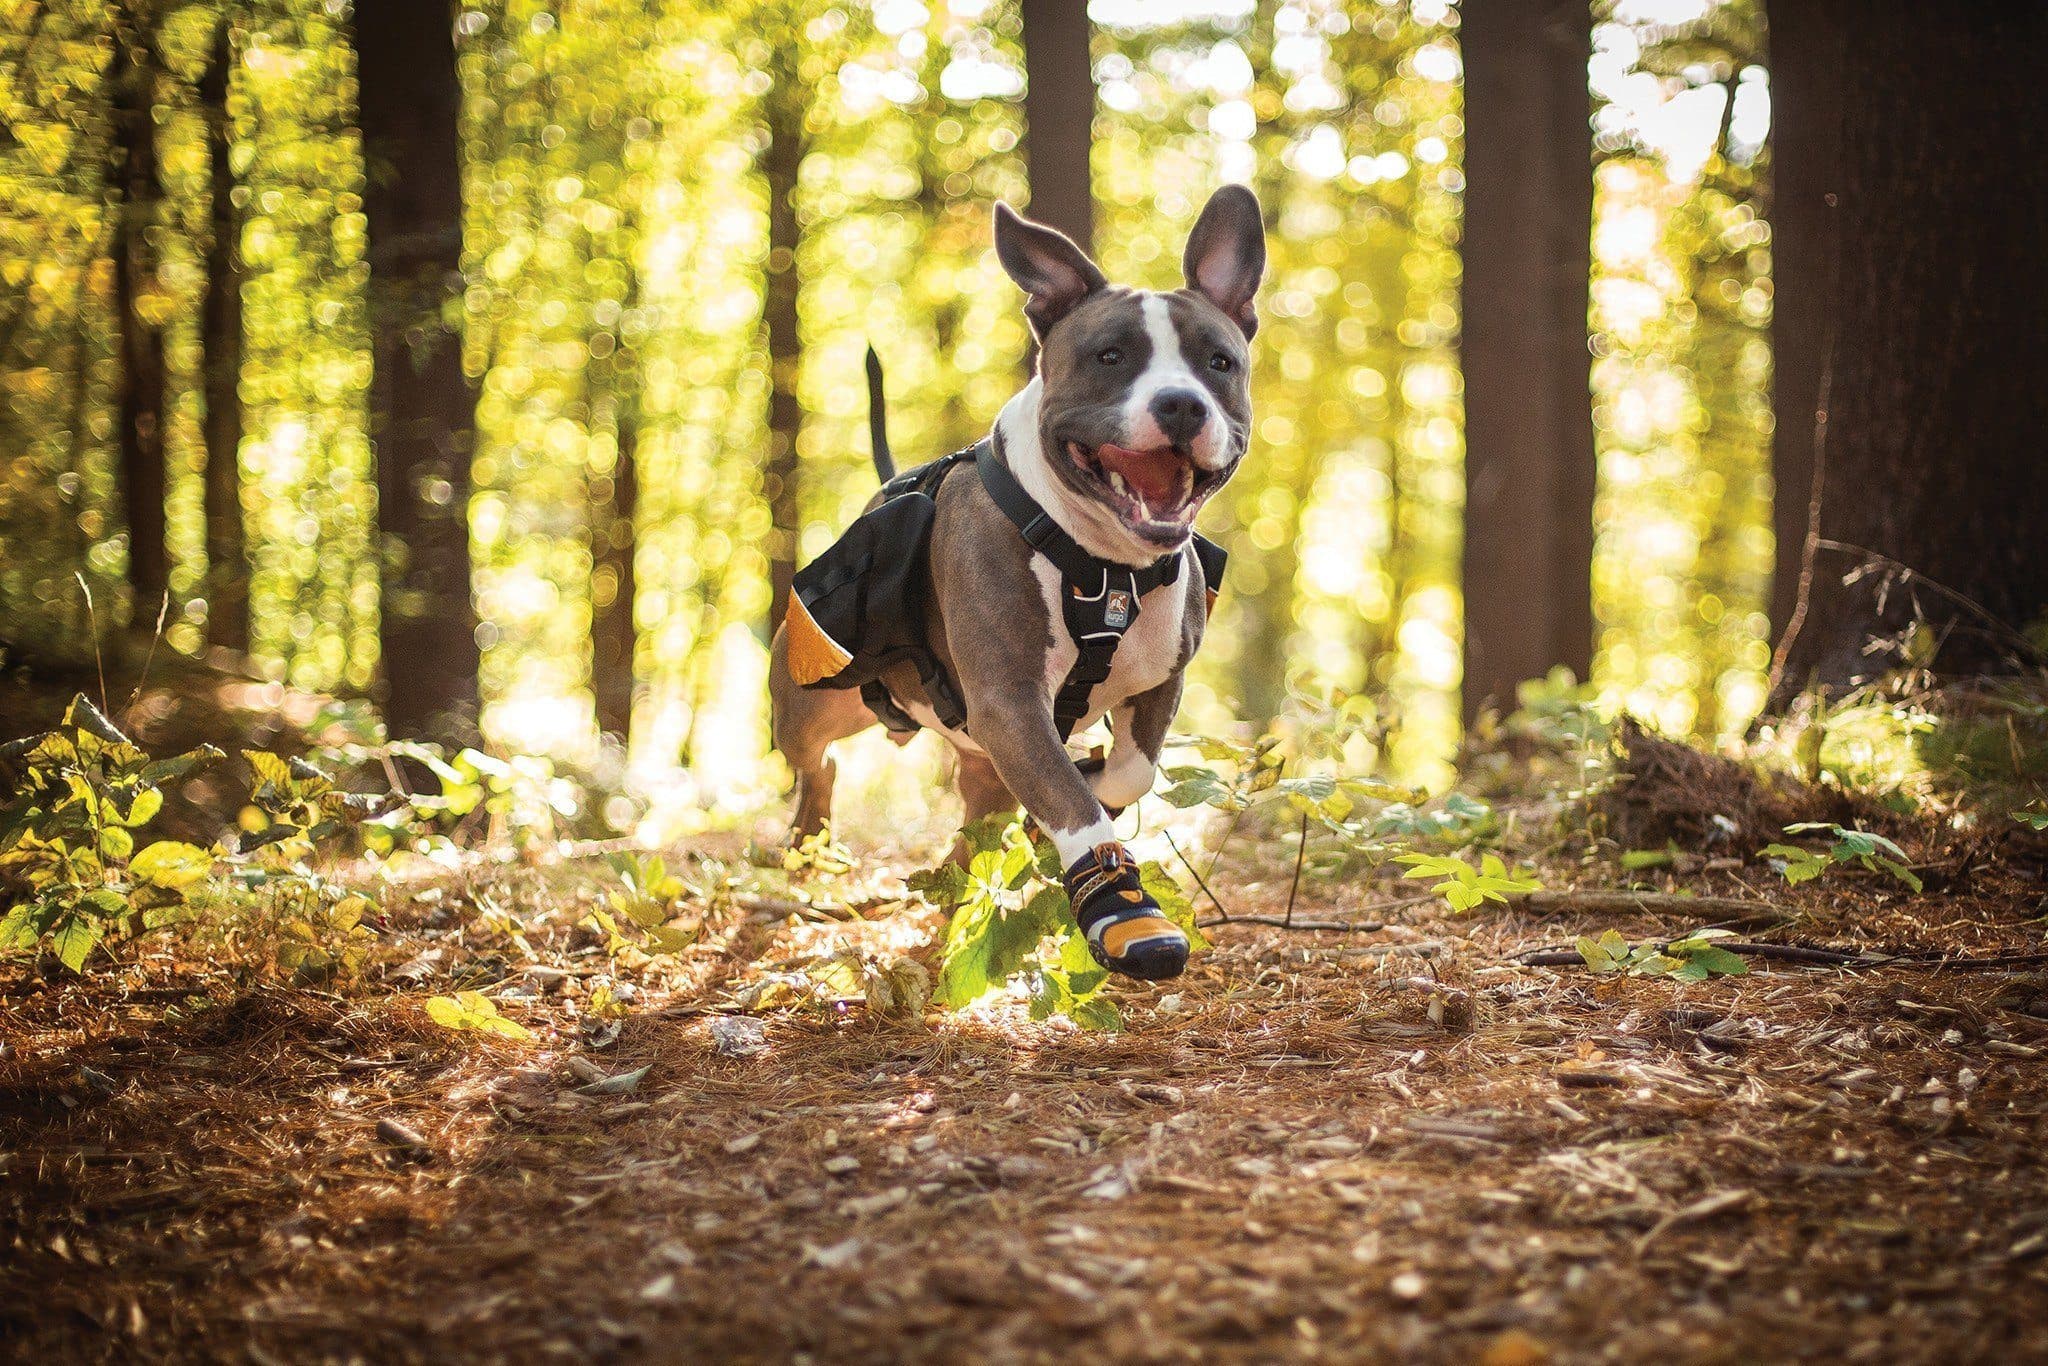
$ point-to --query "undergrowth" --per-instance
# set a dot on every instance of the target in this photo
(89, 861)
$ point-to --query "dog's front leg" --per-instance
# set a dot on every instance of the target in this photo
(1138, 731)
(1013, 726)
(1123, 925)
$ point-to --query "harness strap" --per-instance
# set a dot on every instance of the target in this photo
(1045, 536)
(1099, 599)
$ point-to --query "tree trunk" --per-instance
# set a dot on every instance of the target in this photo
(1059, 116)
(1529, 464)
(422, 409)
(220, 332)
(138, 184)
(783, 113)
(614, 641)
(1911, 216)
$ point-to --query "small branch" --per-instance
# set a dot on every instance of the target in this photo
(1216, 857)
(1608, 902)
(1200, 881)
(1362, 926)
(1818, 957)
(1300, 855)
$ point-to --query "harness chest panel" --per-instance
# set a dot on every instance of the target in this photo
(859, 609)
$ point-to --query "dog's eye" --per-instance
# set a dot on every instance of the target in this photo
(1110, 356)
(1221, 363)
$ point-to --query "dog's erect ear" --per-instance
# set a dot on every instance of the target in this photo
(1046, 265)
(1226, 254)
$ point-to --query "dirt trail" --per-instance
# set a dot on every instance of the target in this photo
(1281, 1158)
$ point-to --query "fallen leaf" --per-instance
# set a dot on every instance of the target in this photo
(834, 1256)
(624, 1084)
(738, 1036)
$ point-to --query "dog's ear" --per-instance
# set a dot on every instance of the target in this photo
(1046, 265)
(1226, 254)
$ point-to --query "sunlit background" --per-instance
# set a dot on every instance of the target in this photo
(615, 199)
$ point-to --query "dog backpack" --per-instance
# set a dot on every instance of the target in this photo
(859, 608)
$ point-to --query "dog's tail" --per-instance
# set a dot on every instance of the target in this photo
(878, 420)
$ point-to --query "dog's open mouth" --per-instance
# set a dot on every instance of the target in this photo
(1156, 493)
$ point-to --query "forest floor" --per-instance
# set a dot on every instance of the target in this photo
(1282, 1156)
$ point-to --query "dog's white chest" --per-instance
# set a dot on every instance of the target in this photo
(1145, 657)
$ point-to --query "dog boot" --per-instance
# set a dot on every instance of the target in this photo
(1124, 927)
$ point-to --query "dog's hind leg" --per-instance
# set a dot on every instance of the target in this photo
(982, 790)
(806, 723)
(983, 793)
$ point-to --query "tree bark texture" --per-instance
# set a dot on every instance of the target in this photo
(1529, 462)
(1911, 291)
(422, 408)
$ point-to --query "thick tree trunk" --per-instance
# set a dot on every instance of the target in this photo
(1911, 288)
(1529, 465)
(422, 409)
(1059, 116)
(783, 113)
(220, 334)
(138, 181)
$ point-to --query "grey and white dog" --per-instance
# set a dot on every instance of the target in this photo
(1139, 412)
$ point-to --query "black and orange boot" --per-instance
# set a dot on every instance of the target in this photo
(1124, 926)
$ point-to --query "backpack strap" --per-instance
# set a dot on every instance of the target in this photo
(939, 688)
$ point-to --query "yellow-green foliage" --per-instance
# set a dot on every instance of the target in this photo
(614, 263)
(68, 839)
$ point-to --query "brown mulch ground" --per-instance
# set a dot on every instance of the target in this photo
(1282, 1156)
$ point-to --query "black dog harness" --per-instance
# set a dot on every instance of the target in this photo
(859, 608)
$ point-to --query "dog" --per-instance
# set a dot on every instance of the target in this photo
(1008, 623)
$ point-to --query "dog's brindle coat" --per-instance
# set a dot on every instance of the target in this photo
(1131, 370)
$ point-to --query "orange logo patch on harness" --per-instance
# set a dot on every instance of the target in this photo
(1117, 611)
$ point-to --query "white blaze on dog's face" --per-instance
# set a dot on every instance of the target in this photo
(1143, 398)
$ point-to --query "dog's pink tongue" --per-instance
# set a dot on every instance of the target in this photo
(1152, 475)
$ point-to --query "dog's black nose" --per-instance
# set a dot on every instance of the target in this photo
(1180, 414)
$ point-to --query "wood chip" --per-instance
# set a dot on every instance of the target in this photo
(401, 1136)
(1580, 1077)
(1720, 1202)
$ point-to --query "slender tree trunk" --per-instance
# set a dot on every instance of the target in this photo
(71, 488)
(140, 430)
(422, 409)
(784, 109)
(220, 331)
(1912, 210)
(1059, 116)
(1529, 465)
(614, 641)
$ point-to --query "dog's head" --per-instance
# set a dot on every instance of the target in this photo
(1145, 403)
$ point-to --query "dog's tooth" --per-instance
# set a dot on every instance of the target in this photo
(1116, 481)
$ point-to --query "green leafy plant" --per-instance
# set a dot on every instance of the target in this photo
(472, 1010)
(1010, 915)
(1299, 767)
(69, 856)
(2035, 817)
(1462, 886)
(819, 852)
(1694, 958)
(482, 795)
(1258, 774)
(1859, 847)
(1455, 818)
(317, 927)
(638, 912)
(300, 806)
